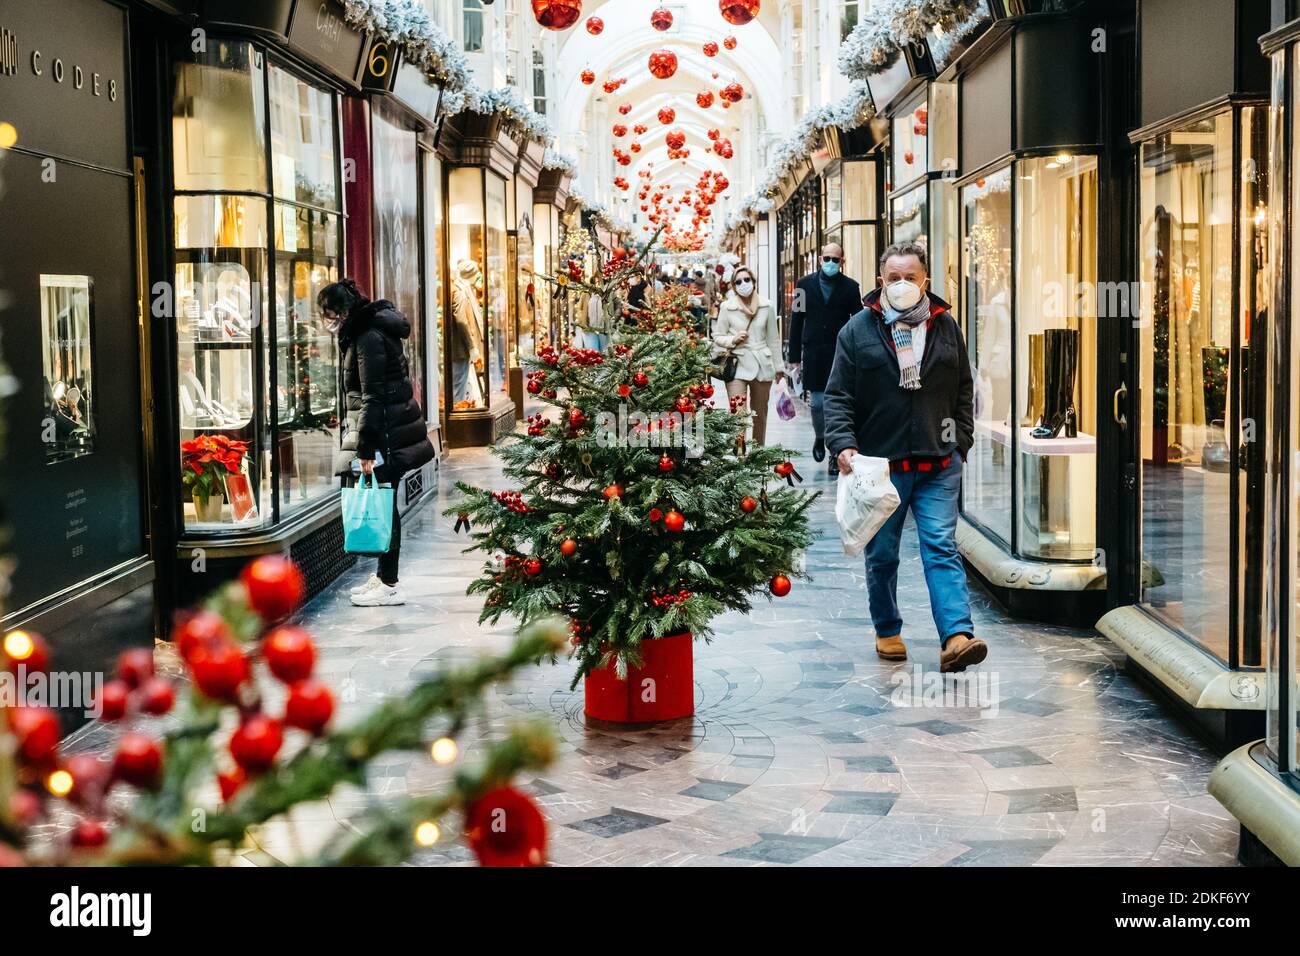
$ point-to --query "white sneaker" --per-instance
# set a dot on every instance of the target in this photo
(380, 596)
(370, 584)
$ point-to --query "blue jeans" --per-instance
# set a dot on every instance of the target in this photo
(931, 496)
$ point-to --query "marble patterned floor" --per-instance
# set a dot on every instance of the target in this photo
(805, 748)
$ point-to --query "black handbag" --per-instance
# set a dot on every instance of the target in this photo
(727, 370)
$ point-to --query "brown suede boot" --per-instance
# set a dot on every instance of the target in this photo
(961, 652)
(891, 648)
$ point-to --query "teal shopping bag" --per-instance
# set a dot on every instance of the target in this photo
(367, 517)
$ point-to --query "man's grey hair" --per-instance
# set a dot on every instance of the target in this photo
(905, 249)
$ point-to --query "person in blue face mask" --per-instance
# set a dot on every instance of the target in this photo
(823, 301)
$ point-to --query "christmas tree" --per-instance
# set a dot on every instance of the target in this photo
(638, 511)
(232, 762)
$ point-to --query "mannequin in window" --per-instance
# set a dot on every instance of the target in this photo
(467, 338)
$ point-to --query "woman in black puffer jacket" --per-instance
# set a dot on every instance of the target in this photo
(382, 414)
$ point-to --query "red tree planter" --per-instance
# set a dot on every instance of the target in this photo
(662, 688)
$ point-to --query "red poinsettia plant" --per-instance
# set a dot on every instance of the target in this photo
(206, 459)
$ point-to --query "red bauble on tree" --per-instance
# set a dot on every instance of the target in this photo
(112, 700)
(738, 12)
(505, 828)
(558, 14)
(255, 743)
(289, 653)
(275, 586)
(674, 521)
(37, 731)
(309, 707)
(661, 18)
(780, 585)
(138, 761)
(595, 26)
(748, 504)
(662, 63)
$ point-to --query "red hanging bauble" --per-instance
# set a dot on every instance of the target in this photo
(568, 547)
(289, 653)
(711, 48)
(780, 585)
(274, 586)
(729, 42)
(674, 521)
(37, 732)
(738, 12)
(640, 128)
(309, 707)
(138, 761)
(620, 130)
(635, 147)
(667, 115)
(675, 139)
(595, 26)
(587, 77)
(908, 157)
(505, 828)
(624, 108)
(255, 743)
(661, 18)
(559, 14)
(663, 63)
(714, 134)
(704, 99)
(666, 464)
(748, 504)
(733, 92)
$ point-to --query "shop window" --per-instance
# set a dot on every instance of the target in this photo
(909, 217)
(850, 14)
(434, 271)
(1186, 242)
(67, 317)
(256, 387)
(539, 83)
(1056, 356)
(467, 346)
(307, 360)
(943, 241)
(218, 120)
(909, 144)
(986, 308)
(500, 332)
(304, 168)
(220, 278)
(397, 234)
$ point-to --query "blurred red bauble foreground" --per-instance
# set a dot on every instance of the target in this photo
(505, 828)
(557, 14)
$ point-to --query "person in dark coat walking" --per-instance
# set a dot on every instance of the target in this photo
(823, 301)
(382, 414)
(901, 388)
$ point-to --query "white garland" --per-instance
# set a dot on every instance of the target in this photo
(554, 159)
(891, 24)
(423, 42)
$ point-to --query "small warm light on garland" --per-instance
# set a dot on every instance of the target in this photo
(427, 833)
(444, 750)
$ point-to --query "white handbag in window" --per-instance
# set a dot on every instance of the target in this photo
(865, 499)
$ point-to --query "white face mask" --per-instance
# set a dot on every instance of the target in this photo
(744, 288)
(902, 295)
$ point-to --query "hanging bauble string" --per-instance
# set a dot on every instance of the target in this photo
(595, 26)
(663, 63)
(557, 14)
(737, 12)
(661, 18)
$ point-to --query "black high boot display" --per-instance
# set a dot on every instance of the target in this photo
(1060, 365)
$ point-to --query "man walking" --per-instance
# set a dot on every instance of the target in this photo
(901, 388)
(823, 301)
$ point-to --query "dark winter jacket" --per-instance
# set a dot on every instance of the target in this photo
(866, 408)
(815, 323)
(382, 413)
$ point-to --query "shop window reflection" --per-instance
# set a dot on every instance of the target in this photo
(1186, 196)
(986, 306)
(1056, 356)
(498, 293)
(307, 358)
(467, 348)
(302, 141)
(218, 119)
(67, 317)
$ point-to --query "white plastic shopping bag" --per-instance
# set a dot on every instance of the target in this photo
(864, 501)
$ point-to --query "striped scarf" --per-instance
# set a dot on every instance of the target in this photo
(900, 327)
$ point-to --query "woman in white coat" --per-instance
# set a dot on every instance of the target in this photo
(747, 328)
